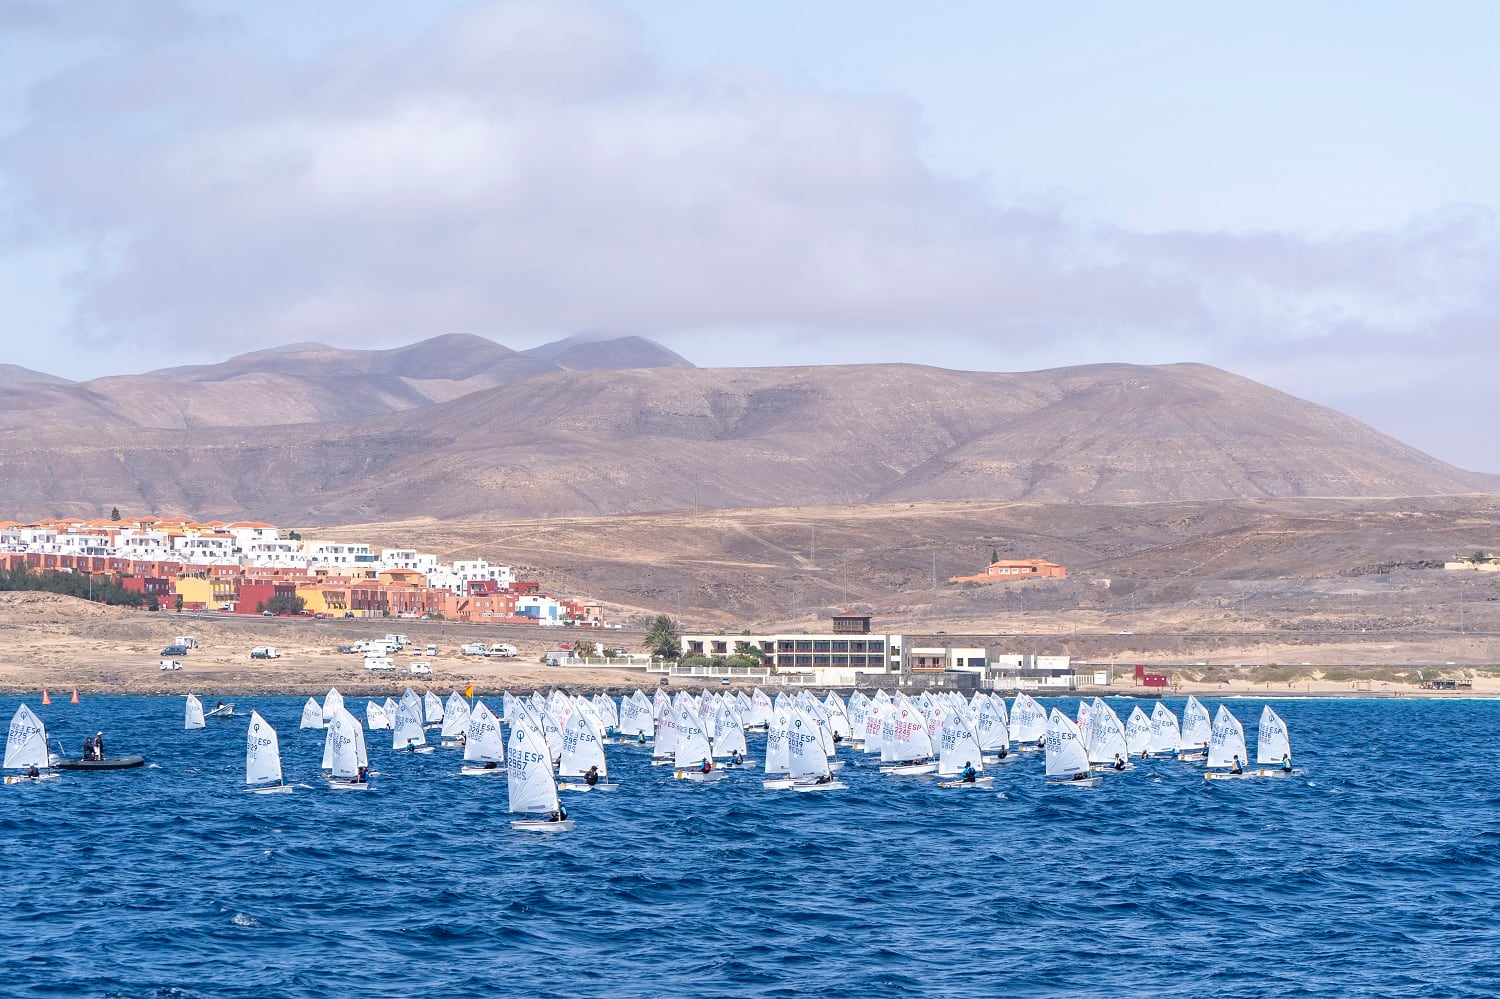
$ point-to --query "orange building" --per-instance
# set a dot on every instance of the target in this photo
(1009, 570)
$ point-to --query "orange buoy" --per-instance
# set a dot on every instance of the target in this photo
(75, 695)
(45, 698)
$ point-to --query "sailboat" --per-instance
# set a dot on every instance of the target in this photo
(583, 747)
(222, 710)
(263, 759)
(1226, 746)
(455, 720)
(778, 753)
(694, 759)
(905, 747)
(1165, 735)
(528, 773)
(1138, 733)
(192, 716)
(312, 714)
(26, 747)
(637, 722)
(959, 748)
(376, 717)
(344, 738)
(407, 733)
(1273, 746)
(1028, 723)
(807, 759)
(1104, 735)
(1067, 761)
(484, 747)
(333, 701)
(1197, 731)
(432, 708)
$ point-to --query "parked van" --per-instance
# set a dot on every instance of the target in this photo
(475, 649)
(379, 663)
(502, 650)
(186, 641)
(399, 641)
(264, 652)
(175, 650)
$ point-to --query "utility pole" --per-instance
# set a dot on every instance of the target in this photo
(934, 570)
(814, 558)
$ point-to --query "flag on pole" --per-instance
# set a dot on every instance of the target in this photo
(469, 690)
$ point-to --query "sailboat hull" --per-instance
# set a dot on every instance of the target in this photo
(910, 769)
(1086, 782)
(23, 779)
(574, 787)
(481, 771)
(777, 783)
(541, 825)
(338, 784)
(981, 783)
(273, 789)
(832, 785)
(698, 775)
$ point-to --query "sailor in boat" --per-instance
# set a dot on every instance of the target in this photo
(968, 774)
(560, 815)
(88, 748)
(837, 738)
(1082, 775)
(489, 764)
(708, 765)
(98, 745)
(1004, 752)
(363, 777)
(592, 777)
(1119, 762)
(1286, 763)
(1145, 754)
(1041, 742)
(463, 738)
(411, 746)
(33, 772)
(735, 759)
(640, 737)
(824, 779)
(1237, 767)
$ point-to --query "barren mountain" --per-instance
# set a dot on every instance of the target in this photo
(681, 438)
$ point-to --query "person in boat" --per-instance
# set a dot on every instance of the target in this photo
(968, 774)
(219, 706)
(708, 765)
(1286, 763)
(33, 772)
(411, 745)
(837, 738)
(88, 748)
(1004, 752)
(1119, 762)
(1237, 767)
(640, 738)
(735, 758)
(1145, 754)
(1083, 775)
(592, 777)
(560, 815)
(1041, 742)
(98, 745)
(463, 738)
(824, 779)
(363, 777)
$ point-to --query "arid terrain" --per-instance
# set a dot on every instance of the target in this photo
(1315, 595)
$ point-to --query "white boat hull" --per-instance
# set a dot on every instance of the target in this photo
(574, 787)
(23, 779)
(832, 785)
(542, 825)
(1109, 768)
(481, 771)
(698, 775)
(1086, 782)
(777, 783)
(910, 769)
(965, 785)
(273, 789)
(337, 784)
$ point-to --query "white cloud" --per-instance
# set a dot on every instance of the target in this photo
(524, 167)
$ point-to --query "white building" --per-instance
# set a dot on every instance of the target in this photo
(341, 555)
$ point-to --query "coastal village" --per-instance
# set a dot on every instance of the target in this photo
(253, 568)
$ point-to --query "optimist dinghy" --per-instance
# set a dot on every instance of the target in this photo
(1227, 747)
(263, 759)
(484, 748)
(26, 747)
(807, 759)
(528, 778)
(1067, 760)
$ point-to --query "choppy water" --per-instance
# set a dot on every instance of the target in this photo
(1373, 873)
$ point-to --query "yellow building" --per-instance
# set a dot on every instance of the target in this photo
(324, 599)
(211, 594)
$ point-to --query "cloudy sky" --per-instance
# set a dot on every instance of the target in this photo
(1303, 193)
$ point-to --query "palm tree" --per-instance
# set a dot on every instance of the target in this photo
(661, 637)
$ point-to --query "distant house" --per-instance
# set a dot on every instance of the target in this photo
(1010, 570)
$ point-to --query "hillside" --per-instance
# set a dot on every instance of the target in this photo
(599, 442)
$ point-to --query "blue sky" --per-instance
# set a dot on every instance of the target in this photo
(1300, 193)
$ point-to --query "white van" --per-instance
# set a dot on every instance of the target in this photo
(382, 663)
(502, 650)
(475, 649)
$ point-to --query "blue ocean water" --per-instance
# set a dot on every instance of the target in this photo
(1371, 873)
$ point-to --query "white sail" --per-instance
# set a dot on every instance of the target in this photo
(636, 716)
(990, 724)
(333, 702)
(838, 716)
(729, 737)
(376, 717)
(904, 734)
(483, 742)
(192, 716)
(1227, 741)
(1197, 730)
(958, 746)
(455, 716)
(343, 743)
(760, 708)
(1028, 722)
(528, 773)
(1105, 735)
(692, 741)
(26, 745)
(874, 734)
(583, 747)
(805, 755)
(1138, 732)
(778, 754)
(1165, 735)
(407, 730)
(432, 708)
(361, 752)
(262, 753)
(1272, 741)
(312, 714)
(1065, 752)
(665, 742)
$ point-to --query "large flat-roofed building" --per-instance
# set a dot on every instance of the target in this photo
(850, 645)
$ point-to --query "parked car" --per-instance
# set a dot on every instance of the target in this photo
(175, 650)
(432, 650)
(419, 669)
(170, 664)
